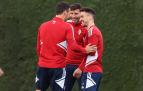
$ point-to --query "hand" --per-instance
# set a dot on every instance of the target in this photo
(90, 48)
(1, 72)
(77, 73)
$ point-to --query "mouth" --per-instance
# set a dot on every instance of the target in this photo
(75, 19)
(82, 23)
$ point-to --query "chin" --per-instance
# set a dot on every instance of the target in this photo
(75, 20)
(84, 25)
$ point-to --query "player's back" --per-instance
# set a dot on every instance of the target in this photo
(53, 43)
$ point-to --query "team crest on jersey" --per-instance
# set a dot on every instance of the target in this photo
(54, 22)
(79, 32)
(41, 42)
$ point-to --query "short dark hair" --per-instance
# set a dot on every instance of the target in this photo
(75, 6)
(88, 10)
(61, 7)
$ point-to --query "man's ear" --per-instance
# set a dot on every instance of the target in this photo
(64, 13)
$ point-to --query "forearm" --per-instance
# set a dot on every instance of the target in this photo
(77, 48)
(82, 65)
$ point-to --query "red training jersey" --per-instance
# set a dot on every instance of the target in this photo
(54, 37)
(93, 61)
(74, 57)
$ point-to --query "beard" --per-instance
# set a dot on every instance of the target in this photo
(76, 21)
(84, 25)
(67, 19)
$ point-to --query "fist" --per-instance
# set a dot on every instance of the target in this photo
(77, 73)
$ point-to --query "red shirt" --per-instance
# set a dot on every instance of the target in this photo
(74, 57)
(53, 38)
(93, 61)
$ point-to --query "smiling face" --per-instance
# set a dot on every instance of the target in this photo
(75, 15)
(84, 18)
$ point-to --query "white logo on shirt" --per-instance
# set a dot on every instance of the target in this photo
(41, 42)
(54, 22)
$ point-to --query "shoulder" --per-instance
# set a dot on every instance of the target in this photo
(68, 25)
(83, 29)
(44, 24)
(69, 21)
(96, 30)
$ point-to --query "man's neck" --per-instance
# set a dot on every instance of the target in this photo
(60, 16)
(91, 23)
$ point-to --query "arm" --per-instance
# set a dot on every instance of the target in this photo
(77, 73)
(72, 42)
(74, 46)
(93, 40)
(38, 44)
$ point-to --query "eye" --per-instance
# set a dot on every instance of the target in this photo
(76, 13)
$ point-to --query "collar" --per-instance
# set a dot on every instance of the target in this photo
(91, 27)
(58, 19)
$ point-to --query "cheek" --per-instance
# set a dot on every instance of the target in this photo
(84, 19)
(78, 16)
(70, 15)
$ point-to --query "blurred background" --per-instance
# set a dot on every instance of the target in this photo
(121, 22)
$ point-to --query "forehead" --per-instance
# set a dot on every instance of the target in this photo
(76, 10)
(83, 13)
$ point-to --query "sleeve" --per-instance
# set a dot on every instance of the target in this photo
(82, 65)
(93, 40)
(38, 47)
(71, 41)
